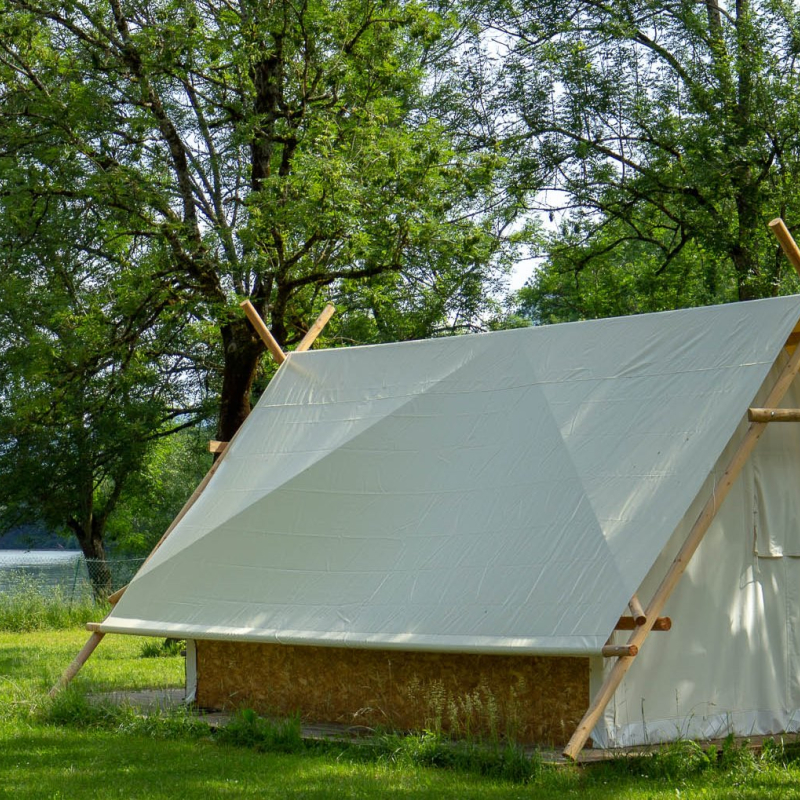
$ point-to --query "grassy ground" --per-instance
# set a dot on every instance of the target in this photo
(72, 750)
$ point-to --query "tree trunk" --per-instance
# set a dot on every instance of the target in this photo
(242, 351)
(90, 538)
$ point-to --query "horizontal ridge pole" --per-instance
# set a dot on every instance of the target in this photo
(773, 414)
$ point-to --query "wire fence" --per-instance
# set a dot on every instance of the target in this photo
(68, 572)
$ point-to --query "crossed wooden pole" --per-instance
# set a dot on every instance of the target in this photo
(215, 447)
(646, 618)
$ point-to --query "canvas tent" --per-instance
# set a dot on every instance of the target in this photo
(506, 495)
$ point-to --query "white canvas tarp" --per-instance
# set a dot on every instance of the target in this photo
(501, 493)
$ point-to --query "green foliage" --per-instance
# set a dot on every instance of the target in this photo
(505, 761)
(154, 495)
(74, 708)
(660, 137)
(158, 163)
(170, 754)
(592, 281)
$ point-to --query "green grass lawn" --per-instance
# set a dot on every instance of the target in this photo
(91, 756)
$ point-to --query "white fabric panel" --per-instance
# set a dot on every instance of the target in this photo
(731, 663)
(776, 520)
(505, 492)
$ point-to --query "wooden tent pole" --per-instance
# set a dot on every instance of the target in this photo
(263, 331)
(678, 566)
(316, 328)
(280, 357)
(787, 243)
(701, 525)
(72, 670)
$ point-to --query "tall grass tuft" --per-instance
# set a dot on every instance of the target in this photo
(27, 606)
(248, 729)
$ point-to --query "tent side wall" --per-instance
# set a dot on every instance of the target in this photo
(731, 663)
(536, 700)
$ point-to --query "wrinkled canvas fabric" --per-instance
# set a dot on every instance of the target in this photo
(499, 493)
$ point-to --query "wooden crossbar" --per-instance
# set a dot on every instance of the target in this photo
(773, 414)
(635, 606)
(620, 650)
(631, 623)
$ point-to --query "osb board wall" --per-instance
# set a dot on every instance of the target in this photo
(532, 699)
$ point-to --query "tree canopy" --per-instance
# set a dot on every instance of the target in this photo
(160, 161)
(662, 135)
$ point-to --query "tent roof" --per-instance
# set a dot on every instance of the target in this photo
(502, 492)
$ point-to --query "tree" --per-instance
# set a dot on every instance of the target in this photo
(161, 161)
(280, 151)
(664, 130)
(91, 375)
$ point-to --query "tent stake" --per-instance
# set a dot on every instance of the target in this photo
(676, 569)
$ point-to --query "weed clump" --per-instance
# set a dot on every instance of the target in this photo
(504, 761)
(248, 729)
(74, 708)
(161, 648)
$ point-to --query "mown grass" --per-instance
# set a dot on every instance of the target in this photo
(71, 748)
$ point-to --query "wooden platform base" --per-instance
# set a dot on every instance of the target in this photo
(534, 700)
